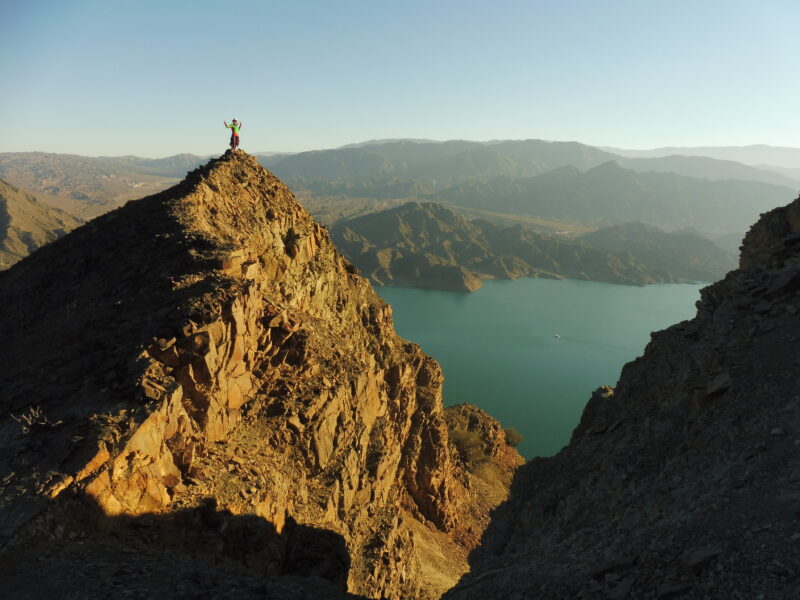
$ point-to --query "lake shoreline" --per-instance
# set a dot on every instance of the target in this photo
(498, 349)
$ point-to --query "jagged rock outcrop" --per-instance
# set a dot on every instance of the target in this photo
(199, 378)
(683, 481)
(26, 224)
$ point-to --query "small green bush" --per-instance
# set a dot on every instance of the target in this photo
(513, 437)
(469, 445)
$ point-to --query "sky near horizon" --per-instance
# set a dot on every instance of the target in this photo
(154, 79)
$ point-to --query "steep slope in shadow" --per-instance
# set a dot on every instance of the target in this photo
(26, 224)
(197, 552)
(682, 481)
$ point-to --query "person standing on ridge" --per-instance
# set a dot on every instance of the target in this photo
(234, 127)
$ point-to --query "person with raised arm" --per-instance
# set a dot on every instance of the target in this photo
(235, 126)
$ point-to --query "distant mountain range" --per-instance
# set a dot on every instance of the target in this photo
(709, 168)
(90, 186)
(504, 180)
(26, 224)
(428, 245)
(558, 180)
(556, 186)
(438, 164)
(755, 155)
(432, 164)
(792, 173)
(609, 194)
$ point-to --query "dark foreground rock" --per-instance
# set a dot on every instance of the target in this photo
(684, 481)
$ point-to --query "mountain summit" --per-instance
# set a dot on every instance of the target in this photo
(199, 387)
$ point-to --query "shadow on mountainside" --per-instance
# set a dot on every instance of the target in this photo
(77, 551)
(5, 218)
(700, 504)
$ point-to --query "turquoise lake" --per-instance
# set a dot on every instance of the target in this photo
(498, 351)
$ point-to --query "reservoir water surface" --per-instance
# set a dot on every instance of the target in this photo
(498, 349)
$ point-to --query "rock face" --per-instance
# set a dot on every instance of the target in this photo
(199, 379)
(26, 224)
(428, 245)
(682, 481)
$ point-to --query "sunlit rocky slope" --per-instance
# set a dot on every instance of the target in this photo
(200, 398)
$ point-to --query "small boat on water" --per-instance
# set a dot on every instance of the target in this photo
(555, 335)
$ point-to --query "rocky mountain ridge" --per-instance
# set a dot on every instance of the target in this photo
(683, 481)
(197, 386)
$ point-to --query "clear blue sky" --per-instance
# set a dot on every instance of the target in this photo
(158, 78)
